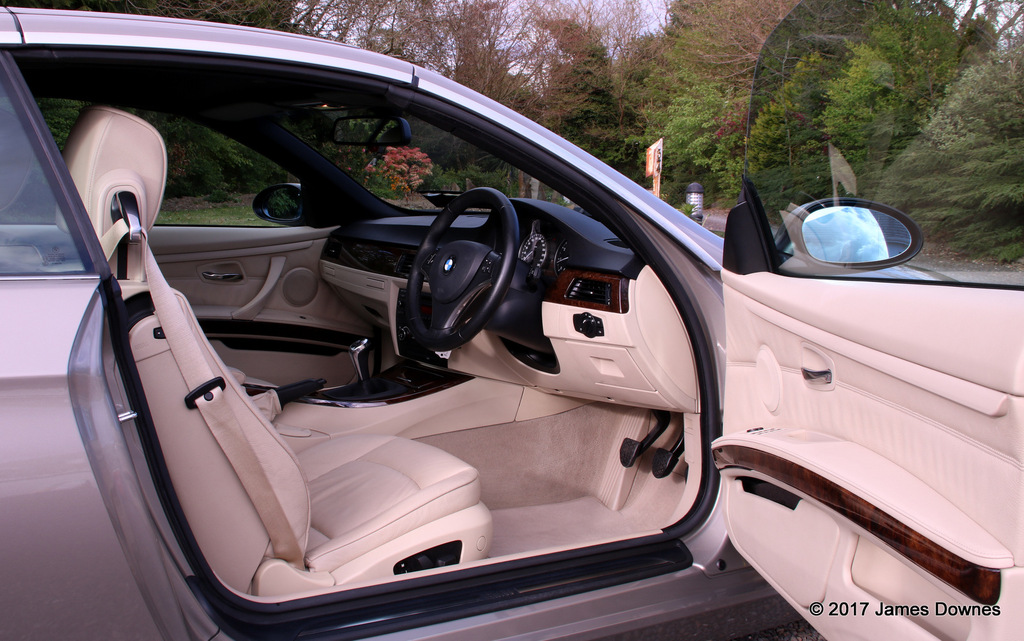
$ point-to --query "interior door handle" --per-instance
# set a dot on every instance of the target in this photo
(821, 376)
(222, 277)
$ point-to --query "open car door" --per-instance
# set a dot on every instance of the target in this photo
(872, 460)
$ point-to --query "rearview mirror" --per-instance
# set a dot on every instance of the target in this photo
(371, 131)
(843, 234)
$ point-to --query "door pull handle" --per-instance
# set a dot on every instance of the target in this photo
(222, 277)
(819, 376)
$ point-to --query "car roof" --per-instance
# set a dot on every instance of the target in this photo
(94, 29)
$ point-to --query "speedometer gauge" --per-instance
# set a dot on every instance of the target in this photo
(534, 249)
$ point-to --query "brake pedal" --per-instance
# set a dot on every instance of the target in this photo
(631, 449)
(666, 460)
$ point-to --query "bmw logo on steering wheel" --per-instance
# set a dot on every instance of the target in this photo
(449, 264)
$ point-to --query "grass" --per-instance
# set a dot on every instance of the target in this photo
(227, 216)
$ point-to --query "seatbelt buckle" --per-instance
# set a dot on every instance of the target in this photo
(205, 391)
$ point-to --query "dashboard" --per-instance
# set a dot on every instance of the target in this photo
(552, 239)
(607, 328)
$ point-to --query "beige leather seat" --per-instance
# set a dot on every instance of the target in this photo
(267, 521)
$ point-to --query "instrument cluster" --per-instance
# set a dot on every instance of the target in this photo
(544, 250)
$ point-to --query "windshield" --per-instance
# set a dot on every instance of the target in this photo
(422, 175)
(917, 105)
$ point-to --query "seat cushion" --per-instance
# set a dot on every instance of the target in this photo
(366, 490)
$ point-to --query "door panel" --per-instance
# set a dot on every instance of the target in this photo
(884, 419)
(259, 296)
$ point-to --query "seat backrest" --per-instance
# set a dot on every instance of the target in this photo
(111, 152)
(116, 158)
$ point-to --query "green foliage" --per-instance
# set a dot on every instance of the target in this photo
(218, 196)
(704, 136)
(204, 163)
(462, 179)
(963, 179)
(884, 117)
(60, 116)
(856, 98)
(597, 100)
(882, 98)
(232, 216)
(787, 152)
(201, 162)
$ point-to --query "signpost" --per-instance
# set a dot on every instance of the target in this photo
(654, 153)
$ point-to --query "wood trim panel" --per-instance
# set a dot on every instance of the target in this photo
(977, 582)
(278, 337)
(372, 257)
(619, 291)
(418, 381)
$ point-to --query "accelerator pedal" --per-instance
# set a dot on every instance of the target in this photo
(666, 460)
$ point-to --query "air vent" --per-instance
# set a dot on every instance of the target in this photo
(617, 242)
(590, 291)
(332, 249)
(404, 264)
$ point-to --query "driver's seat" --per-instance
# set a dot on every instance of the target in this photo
(269, 521)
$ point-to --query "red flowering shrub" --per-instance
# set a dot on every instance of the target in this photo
(400, 171)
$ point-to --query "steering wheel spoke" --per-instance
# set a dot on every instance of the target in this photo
(443, 316)
(486, 274)
(426, 265)
(490, 267)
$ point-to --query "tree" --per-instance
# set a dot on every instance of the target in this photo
(270, 14)
(698, 99)
(399, 172)
(963, 178)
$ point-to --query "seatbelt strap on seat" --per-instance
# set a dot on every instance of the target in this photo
(209, 398)
(125, 206)
(112, 238)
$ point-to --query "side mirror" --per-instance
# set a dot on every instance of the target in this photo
(840, 235)
(280, 204)
(371, 131)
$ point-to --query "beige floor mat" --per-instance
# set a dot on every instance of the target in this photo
(570, 523)
(552, 459)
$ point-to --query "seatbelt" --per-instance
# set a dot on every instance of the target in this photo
(125, 206)
(209, 398)
(112, 237)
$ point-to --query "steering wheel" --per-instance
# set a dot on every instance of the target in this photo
(468, 280)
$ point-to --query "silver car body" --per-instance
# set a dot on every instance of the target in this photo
(89, 552)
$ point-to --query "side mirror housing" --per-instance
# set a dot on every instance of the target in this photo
(843, 235)
(280, 204)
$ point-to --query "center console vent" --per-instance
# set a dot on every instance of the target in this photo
(404, 264)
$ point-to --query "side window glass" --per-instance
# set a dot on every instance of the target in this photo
(211, 179)
(425, 174)
(34, 236)
(860, 118)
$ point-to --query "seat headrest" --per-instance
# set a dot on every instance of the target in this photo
(110, 151)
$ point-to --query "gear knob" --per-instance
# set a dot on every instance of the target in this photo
(359, 352)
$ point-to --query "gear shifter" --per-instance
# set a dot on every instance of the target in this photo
(359, 352)
(365, 389)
